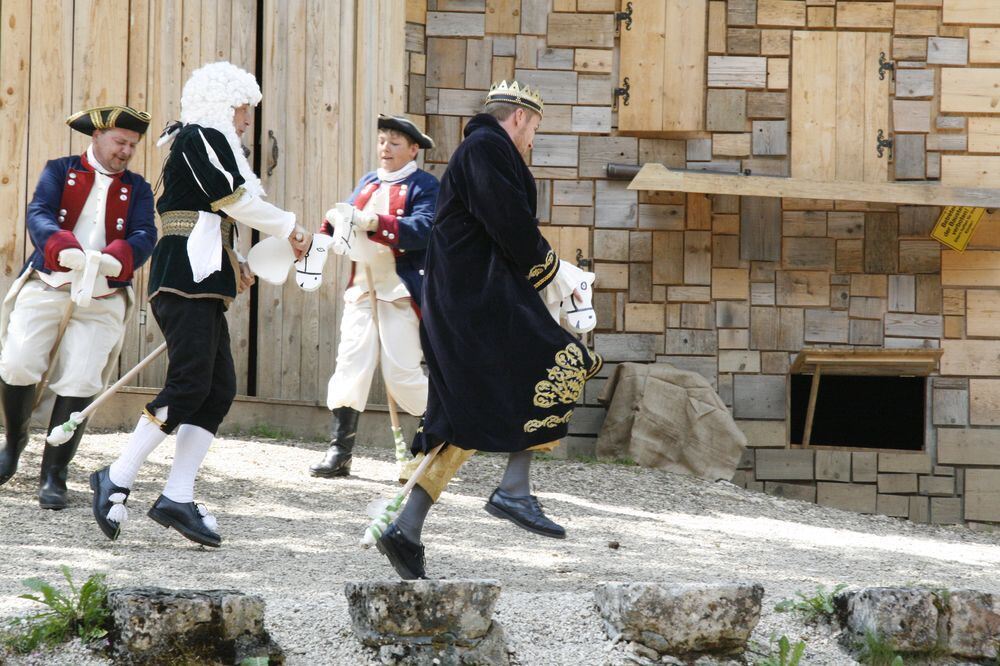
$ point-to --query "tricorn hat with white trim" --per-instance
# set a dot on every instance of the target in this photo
(108, 117)
(406, 126)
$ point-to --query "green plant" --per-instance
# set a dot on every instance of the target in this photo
(786, 655)
(266, 431)
(875, 651)
(79, 613)
(812, 608)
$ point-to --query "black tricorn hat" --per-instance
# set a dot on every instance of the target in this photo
(107, 117)
(404, 125)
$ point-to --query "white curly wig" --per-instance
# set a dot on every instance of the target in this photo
(209, 98)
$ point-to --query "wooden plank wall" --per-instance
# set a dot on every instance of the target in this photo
(329, 69)
(733, 288)
(319, 63)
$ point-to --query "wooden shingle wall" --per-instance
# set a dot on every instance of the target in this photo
(732, 288)
(327, 69)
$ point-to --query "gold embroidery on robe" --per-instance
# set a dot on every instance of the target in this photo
(548, 422)
(565, 379)
(546, 270)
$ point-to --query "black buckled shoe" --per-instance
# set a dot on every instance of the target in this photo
(192, 520)
(109, 503)
(524, 512)
(343, 432)
(406, 557)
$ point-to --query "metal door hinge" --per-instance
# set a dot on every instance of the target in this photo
(885, 65)
(142, 316)
(882, 143)
(623, 92)
(624, 16)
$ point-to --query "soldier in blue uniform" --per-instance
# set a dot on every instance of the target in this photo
(88, 202)
(395, 205)
(504, 376)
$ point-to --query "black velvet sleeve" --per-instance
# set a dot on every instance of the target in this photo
(495, 194)
(207, 154)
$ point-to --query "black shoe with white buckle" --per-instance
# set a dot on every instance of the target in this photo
(406, 557)
(109, 503)
(524, 512)
(192, 520)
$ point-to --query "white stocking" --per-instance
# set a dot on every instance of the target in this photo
(192, 445)
(146, 437)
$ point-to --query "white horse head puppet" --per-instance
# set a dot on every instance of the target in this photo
(271, 258)
(577, 310)
(570, 298)
(349, 239)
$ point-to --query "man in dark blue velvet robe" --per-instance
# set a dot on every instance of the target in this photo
(504, 376)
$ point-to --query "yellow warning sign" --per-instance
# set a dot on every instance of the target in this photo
(956, 225)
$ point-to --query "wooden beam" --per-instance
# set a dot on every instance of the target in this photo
(811, 408)
(656, 177)
(881, 362)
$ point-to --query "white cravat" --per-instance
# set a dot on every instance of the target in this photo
(395, 176)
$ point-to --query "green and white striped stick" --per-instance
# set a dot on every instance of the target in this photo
(383, 511)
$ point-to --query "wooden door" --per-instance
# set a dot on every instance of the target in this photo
(176, 38)
(839, 105)
(663, 58)
(329, 68)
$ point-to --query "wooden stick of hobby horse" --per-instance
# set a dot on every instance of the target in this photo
(44, 381)
(62, 434)
(388, 513)
(397, 431)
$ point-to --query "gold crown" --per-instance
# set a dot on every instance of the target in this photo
(515, 93)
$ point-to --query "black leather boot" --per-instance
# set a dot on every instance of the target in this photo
(17, 403)
(56, 459)
(337, 461)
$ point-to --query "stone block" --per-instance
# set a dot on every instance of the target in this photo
(681, 619)
(155, 625)
(428, 621)
(905, 618)
(974, 619)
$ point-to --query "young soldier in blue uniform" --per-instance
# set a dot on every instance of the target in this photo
(81, 202)
(396, 206)
(194, 276)
(504, 376)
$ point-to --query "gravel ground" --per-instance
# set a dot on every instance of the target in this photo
(294, 540)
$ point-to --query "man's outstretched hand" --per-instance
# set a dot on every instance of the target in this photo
(300, 240)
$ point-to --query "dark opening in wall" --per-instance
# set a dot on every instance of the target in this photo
(861, 411)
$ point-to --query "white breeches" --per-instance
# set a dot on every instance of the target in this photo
(359, 353)
(91, 335)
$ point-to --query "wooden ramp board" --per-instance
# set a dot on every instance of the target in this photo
(656, 177)
(874, 362)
